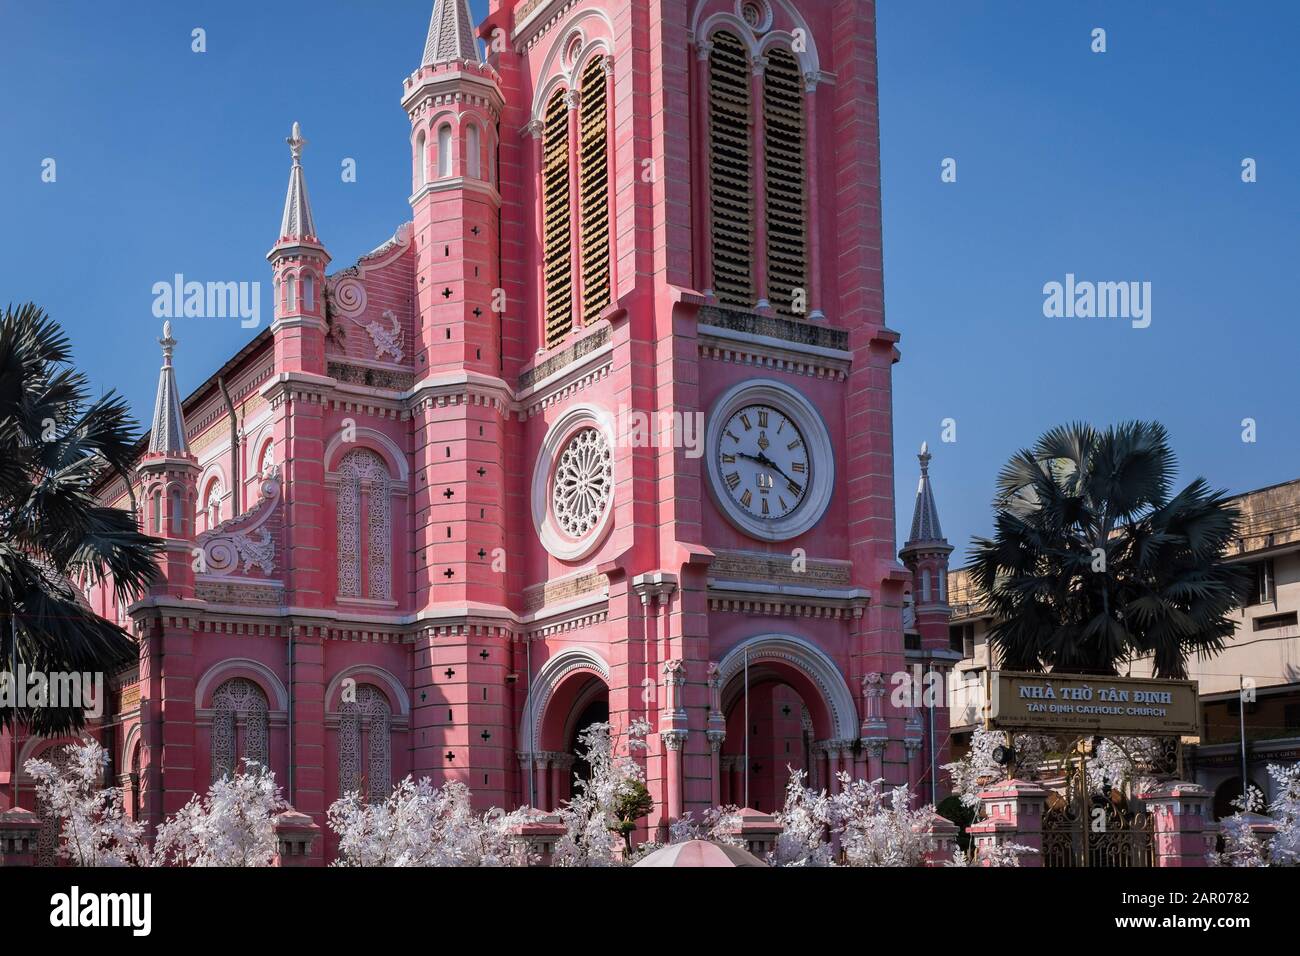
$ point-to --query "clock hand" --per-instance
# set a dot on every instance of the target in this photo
(769, 463)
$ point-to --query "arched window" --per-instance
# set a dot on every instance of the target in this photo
(785, 177)
(730, 183)
(308, 293)
(212, 503)
(364, 736)
(177, 514)
(365, 537)
(134, 780)
(266, 461)
(593, 137)
(925, 586)
(291, 296)
(157, 511)
(444, 151)
(421, 160)
(239, 726)
(555, 221)
(50, 834)
(473, 157)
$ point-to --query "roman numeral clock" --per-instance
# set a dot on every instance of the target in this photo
(770, 460)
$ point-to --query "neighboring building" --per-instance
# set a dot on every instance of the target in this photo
(1263, 656)
(604, 431)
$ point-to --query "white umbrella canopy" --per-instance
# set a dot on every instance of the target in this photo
(700, 853)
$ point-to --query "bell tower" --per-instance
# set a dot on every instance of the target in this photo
(926, 555)
(169, 476)
(459, 413)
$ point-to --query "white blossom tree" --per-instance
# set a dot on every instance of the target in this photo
(871, 824)
(1115, 762)
(876, 825)
(805, 819)
(233, 825)
(423, 825)
(1243, 846)
(1123, 763)
(592, 816)
(94, 828)
(718, 825)
(999, 854)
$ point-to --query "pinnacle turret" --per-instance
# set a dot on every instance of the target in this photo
(167, 436)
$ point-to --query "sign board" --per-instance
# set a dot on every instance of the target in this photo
(1069, 703)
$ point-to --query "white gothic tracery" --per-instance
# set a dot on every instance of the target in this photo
(239, 726)
(365, 724)
(584, 477)
(362, 472)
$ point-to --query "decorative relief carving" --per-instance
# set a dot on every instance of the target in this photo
(245, 542)
(564, 357)
(349, 296)
(747, 566)
(773, 326)
(560, 591)
(583, 481)
(371, 377)
(387, 341)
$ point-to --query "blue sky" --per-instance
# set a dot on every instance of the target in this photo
(1118, 166)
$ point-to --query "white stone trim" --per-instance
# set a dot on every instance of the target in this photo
(549, 677)
(558, 544)
(358, 672)
(806, 657)
(217, 674)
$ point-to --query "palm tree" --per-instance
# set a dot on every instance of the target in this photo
(1093, 563)
(55, 444)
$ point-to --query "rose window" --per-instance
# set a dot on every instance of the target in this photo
(757, 14)
(584, 478)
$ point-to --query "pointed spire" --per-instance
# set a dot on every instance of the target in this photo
(451, 34)
(168, 432)
(925, 516)
(297, 222)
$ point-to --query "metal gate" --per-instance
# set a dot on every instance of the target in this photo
(1080, 829)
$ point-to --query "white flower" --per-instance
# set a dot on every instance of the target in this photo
(95, 830)
(233, 825)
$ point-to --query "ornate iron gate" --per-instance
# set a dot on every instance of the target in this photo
(1082, 830)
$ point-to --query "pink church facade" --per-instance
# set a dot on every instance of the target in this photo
(603, 432)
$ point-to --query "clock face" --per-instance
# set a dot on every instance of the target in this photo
(763, 462)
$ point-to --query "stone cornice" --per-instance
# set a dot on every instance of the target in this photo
(452, 83)
(773, 343)
(463, 183)
(376, 626)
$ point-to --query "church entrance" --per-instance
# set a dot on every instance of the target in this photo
(595, 712)
(780, 738)
(570, 695)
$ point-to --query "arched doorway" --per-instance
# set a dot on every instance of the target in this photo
(781, 739)
(787, 708)
(569, 694)
(596, 712)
